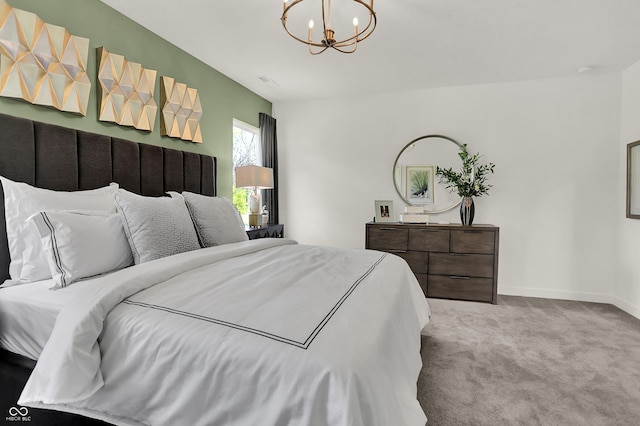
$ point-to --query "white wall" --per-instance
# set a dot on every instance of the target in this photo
(628, 270)
(555, 145)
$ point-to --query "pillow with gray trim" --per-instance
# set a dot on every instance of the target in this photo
(21, 201)
(82, 244)
(216, 219)
(155, 227)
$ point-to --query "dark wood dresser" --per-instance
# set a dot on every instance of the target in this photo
(450, 261)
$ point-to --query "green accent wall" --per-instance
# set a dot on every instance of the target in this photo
(222, 98)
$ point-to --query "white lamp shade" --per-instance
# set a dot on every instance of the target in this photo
(254, 177)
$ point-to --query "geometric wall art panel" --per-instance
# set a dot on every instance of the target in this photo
(181, 111)
(125, 91)
(42, 63)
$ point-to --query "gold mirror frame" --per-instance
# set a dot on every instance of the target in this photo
(408, 147)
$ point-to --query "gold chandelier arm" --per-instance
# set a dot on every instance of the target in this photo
(356, 38)
(339, 48)
(319, 51)
(372, 19)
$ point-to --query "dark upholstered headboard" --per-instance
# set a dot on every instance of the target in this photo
(63, 159)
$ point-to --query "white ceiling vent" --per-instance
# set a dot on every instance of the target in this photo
(268, 81)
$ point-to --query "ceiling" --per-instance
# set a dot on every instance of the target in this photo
(417, 43)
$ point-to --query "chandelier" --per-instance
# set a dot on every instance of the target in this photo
(329, 40)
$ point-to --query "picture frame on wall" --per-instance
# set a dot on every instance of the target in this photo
(420, 184)
(633, 180)
(384, 211)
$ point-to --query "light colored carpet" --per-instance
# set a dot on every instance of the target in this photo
(529, 361)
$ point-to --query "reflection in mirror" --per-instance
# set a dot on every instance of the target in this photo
(414, 172)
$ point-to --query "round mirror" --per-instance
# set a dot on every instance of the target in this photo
(414, 172)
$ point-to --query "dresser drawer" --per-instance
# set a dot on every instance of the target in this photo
(464, 265)
(429, 240)
(388, 238)
(417, 260)
(472, 241)
(422, 280)
(477, 289)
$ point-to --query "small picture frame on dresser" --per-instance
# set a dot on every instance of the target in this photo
(384, 211)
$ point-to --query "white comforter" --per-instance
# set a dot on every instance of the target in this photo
(265, 332)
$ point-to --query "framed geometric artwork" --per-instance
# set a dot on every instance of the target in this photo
(42, 63)
(181, 111)
(125, 91)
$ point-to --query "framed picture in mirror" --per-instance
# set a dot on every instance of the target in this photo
(384, 211)
(633, 180)
(420, 184)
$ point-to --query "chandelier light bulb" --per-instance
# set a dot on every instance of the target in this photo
(355, 21)
(310, 23)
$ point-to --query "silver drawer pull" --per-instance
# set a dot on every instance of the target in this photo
(388, 229)
(458, 277)
(396, 251)
(459, 254)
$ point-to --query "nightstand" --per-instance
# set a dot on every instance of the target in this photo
(268, 231)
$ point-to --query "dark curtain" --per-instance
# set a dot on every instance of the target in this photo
(269, 142)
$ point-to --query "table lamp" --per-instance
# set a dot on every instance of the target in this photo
(255, 177)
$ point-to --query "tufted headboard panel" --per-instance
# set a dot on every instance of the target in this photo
(63, 159)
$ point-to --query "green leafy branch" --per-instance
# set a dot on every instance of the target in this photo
(471, 180)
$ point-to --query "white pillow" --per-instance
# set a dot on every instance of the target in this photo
(21, 201)
(82, 244)
(155, 226)
(216, 219)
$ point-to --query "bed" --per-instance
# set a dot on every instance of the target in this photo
(236, 331)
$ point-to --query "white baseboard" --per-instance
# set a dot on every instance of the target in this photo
(555, 294)
(572, 295)
(627, 307)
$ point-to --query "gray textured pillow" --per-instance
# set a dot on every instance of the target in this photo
(155, 226)
(216, 219)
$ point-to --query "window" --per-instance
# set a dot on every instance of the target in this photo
(246, 152)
